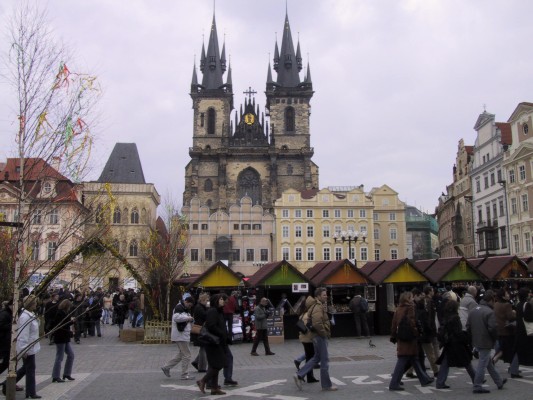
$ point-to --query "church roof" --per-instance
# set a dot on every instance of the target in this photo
(123, 165)
(212, 64)
(287, 63)
(505, 130)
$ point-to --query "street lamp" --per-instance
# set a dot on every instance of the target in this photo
(350, 237)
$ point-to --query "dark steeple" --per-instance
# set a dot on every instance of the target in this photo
(288, 64)
(123, 165)
(211, 64)
(269, 74)
(308, 77)
(194, 81)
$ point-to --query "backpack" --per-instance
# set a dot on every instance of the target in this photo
(363, 305)
(405, 331)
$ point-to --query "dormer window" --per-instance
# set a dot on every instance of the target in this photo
(525, 128)
(47, 188)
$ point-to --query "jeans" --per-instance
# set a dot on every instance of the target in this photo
(484, 363)
(201, 359)
(514, 366)
(361, 325)
(228, 369)
(28, 370)
(105, 315)
(261, 335)
(63, 348)
(183, 356)
(444, 369)
(321, 356)
(399, 369)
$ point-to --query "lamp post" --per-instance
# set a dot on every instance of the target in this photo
(350, 237)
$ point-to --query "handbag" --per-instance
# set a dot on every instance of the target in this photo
(207, 338)
(300, 325)
(195, 329)
(527, 325)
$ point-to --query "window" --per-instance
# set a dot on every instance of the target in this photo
(502, 209)
(208, 185)
(53, 217)
(52, 249)
(337, 213)
(377, 255)
(310, 254)
(285, 213)
(525, 205)
(338, 253)
(264, 254)
(325, 213)
(35, 247)
(37, 217)
(235, 227)
(351, 253)
(362, 213)
(522, 172)
(236, 254)
(298, 254)
(393, 254)
(205, 226)
(512, 178)
(503, 235)
(285, 231)
(325, 231)
(116, 216)
(194, 227)
(393, 234)
(486, 181)
(133, 248)
(325, 198)
(338, 230)
(211, 121)
(289, 119)
(513, 206)
(47, 188)
(527, 242)
(297, 213)
(376, 217)
(326, 254)
(494, 210)
(285, 253)
(478, 185)
(208, 254)
(492, 178)
(310, 231)
(350, 213)
(298, 231)
(194, 254)
(134, 216)
(499, 174)
(516, 241)
(363, 231)
(525, 129)
(385, 202)
(250, 255)
(392, 216)
(376, 233)
(364, 254)
(256, 227)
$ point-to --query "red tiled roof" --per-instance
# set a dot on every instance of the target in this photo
(309, 193)
(505, 129)
(34, 170)
(268, 269)
(315, 270)
(370, 267)
(317, 276)
(469, 150)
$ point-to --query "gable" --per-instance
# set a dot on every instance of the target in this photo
(343, 276)
(219, 276)
(284, 275)
(525, 149)
(522, 108)
(405, 273)
(461, 272)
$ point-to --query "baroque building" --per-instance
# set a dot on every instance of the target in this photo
(247, 155)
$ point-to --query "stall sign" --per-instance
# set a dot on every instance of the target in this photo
(300, 287)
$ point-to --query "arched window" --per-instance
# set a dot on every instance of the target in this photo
(209, 203)
(134, 216)
(116, 216)
(249, 184)
(133, 248)
(289, 119)
(211, 119)
(208, 185)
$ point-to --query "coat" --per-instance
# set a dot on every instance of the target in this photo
(28, 333)
(524, 343)
(320, 319)
(456, 346)
(466, 305)
(405, 348)
(181, 315)
(62, 322)
(6, 318)
(481, 324)
(199, 314)
(504, 314)
(307, 337)
(261, 314)
(215, 324)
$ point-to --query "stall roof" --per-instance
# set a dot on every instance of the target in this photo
(423, 265)
(186, 279)
(529, 262)
(277, 273)
(370, 267)
(338, 272)
(451, 269)
(219, 275)
(503, 267)
(396, 271)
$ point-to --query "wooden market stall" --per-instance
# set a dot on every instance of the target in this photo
(499, 269)
(341, 277)
(283, 285)
(455, 270)
(218, 277)
(391, 277)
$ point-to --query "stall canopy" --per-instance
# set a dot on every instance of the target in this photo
(335, 273)
(501, 267)
(278, 273)
(393, 271)
(529, 262)
(217, 276)
(454, 269)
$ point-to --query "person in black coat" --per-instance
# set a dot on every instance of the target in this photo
(524, 343)
(62, 335)
(6, 319)
(200, 315)
(456, 351)
(216, 353)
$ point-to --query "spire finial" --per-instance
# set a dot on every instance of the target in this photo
(249, 92)
(484, 107)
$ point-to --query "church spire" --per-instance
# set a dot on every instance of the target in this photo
(289, 65)
(308, 77)
(213, 65)
(194, 81)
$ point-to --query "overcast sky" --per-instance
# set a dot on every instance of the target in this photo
(397, 82)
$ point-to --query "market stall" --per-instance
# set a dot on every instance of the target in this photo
(501, 268)
(457, 270)
(391, 278)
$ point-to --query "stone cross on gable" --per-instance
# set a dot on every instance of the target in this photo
(249, 92)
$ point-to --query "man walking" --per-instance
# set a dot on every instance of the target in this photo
(261, 314)
(359, 307)
(321, 331)
(482, 325)
(181, 334)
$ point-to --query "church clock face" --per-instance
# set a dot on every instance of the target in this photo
(249, 119)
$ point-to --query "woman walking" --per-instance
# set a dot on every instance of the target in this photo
(120, 311)
(524, 343)
(456, 351)
(62, 335)
(407, 348)
(216, 353)
(307, 338)
(199, 315)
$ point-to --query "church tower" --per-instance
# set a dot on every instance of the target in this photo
(245, 155)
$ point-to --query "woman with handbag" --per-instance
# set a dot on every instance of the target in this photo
(524, 315)
(62, 335)
(216, 353)
(199, 315)
(307, 338)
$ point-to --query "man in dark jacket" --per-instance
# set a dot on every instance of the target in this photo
(359, 307)
(261, 314)
(6, 318)
(481, 324)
